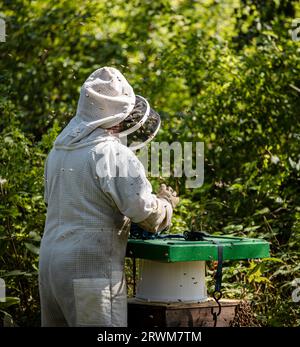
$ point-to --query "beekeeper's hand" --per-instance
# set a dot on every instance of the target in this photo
(168, 194)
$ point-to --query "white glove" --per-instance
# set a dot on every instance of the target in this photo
(168, 194)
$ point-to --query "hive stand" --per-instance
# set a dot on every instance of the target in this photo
(171, 290)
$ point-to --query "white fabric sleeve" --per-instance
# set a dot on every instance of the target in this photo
(122, 177)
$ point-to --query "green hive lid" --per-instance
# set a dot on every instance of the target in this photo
(173, 250)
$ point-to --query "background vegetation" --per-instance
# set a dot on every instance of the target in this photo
(222, 72)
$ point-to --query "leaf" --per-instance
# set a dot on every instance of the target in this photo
(262, 211)
(233, 227)
(255, 227)
(273, 259)
(32, 248)
(13, 273)
(34, 236)
(236, 186)
(9, 301)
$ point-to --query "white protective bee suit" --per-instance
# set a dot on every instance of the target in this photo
(81, 269)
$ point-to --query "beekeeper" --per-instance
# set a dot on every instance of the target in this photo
(94, 187)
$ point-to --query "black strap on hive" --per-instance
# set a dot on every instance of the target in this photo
(217, 294)
(219, 268)
(134, 275)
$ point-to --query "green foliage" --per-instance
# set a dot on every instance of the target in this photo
(225, 73)
(22, 217)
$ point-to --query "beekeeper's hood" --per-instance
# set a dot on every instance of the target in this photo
(106, 100)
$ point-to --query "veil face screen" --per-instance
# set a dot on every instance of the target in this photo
(140, 126)
(146, 131)
(136, 115)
